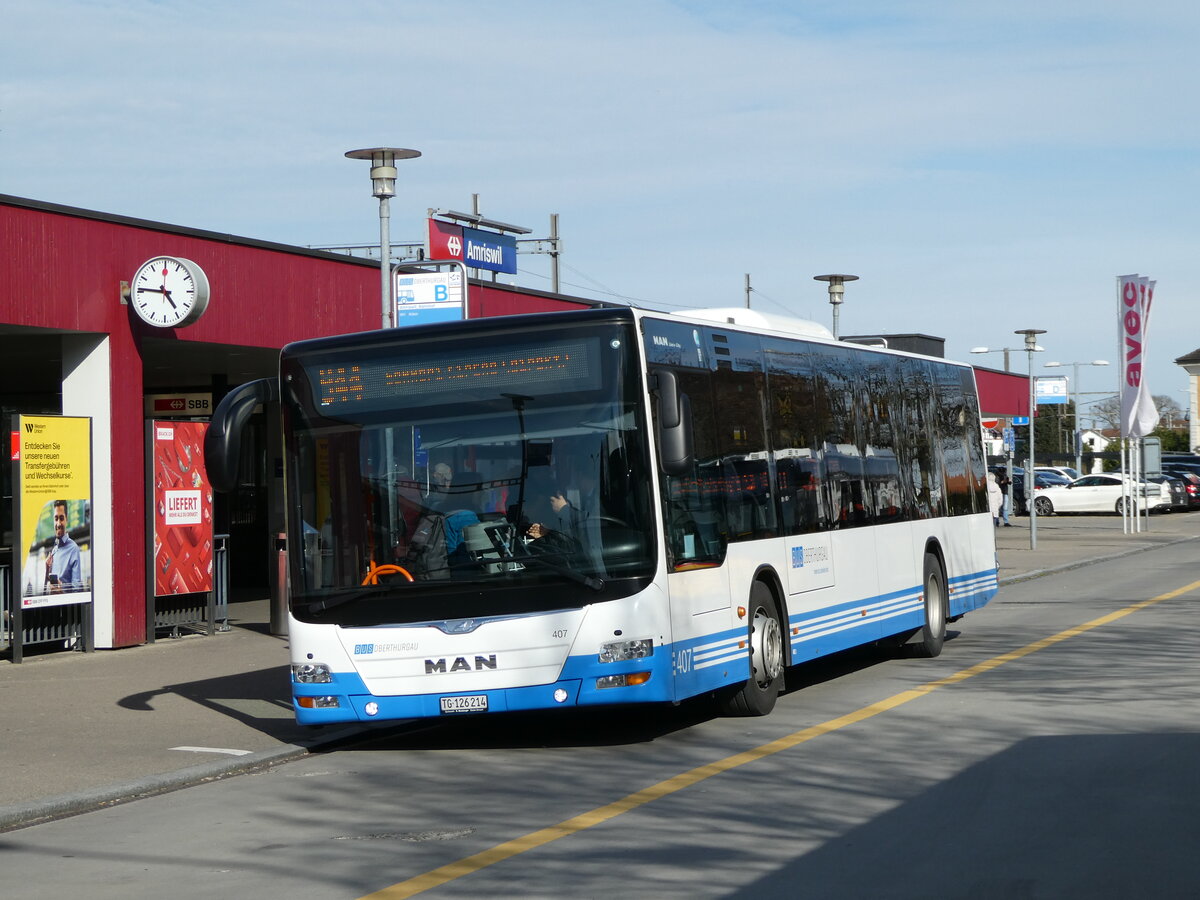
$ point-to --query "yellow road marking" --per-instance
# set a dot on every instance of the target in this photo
(470, 864)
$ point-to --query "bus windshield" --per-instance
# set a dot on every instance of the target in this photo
(487, 474)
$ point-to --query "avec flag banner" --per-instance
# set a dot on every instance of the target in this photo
(1138, 414)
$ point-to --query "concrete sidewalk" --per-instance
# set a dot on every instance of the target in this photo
(87, 730)
(1065, 542)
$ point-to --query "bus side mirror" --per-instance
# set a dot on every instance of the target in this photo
(223, 441)
(674, 425)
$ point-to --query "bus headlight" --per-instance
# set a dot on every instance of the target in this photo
(615, 651)
(311, 673)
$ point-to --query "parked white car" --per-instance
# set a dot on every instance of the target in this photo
(1065, 471)
(1099, 493)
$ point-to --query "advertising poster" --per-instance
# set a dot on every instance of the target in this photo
(54, 510)
(183, 524)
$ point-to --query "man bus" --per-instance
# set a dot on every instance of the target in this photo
(745, 493)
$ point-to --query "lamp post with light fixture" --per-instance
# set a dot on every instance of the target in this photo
(1031, 347)
(1073, 392)
(836, 290)
(1004, 350)
(383, 186)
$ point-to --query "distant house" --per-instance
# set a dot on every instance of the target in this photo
(1191, 364)
(1096, 442)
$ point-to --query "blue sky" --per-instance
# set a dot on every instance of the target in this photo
(982, 168)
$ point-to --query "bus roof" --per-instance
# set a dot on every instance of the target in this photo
(752, 318)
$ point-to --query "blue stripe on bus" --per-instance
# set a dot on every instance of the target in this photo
(847, 625)
(695, 666)
(578, 680)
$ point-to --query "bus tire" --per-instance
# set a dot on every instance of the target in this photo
(756, 696)
(933, 632)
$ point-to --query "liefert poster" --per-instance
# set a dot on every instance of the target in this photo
(55, 510)
(183, 524)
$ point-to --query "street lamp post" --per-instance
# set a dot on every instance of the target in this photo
(1031, 347)
(383, 186)
(1074, 392)
(1004, 350)
(836, 290)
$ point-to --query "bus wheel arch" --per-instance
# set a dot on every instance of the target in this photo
(767, 649)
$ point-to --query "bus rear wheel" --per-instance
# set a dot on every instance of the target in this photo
(756, 696)
(933, 632)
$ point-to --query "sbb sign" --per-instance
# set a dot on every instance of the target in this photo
(478, 249)
(160, 405)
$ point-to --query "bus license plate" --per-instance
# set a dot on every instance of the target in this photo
(473, 703)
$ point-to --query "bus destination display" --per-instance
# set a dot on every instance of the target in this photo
(563, 366)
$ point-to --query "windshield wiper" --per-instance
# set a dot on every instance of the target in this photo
(321, 604)
(587, 581)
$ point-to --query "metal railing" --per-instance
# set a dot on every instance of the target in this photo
(5, 616)
(203, 611)
(66, 624)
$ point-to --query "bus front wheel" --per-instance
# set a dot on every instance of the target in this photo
(756, 696)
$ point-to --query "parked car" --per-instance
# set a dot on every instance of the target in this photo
(1066, 471)
(1174, 467)
(1043, 478)
(1191, 484)
(1179, 498)
(1099, 493)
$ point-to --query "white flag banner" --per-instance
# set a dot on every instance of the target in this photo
(1135, 294)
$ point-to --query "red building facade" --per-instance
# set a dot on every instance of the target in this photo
(71, 344)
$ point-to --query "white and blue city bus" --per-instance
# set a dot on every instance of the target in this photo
(612, 506)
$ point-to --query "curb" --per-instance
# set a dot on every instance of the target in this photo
(38, 812)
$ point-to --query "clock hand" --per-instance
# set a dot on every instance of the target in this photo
(167, 295)
(152, 290)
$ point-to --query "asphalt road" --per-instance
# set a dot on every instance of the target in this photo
(1048, 752)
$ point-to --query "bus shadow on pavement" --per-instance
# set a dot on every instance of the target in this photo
(577, 727)
(260, 699)
(846, 662)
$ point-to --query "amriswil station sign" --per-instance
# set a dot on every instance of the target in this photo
(477, 249)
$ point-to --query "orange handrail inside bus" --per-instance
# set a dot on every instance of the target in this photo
(375, 571)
